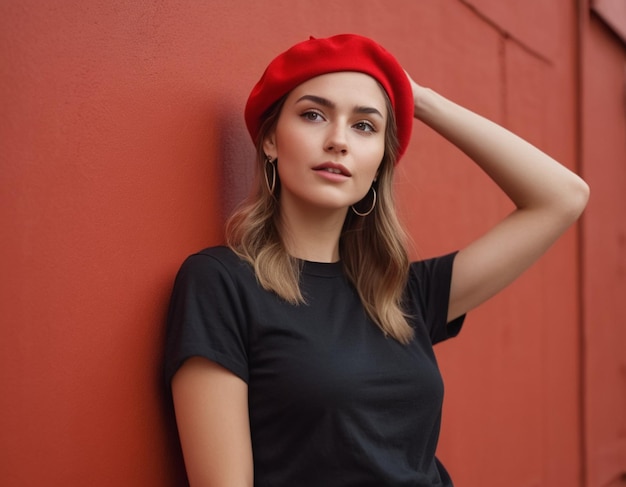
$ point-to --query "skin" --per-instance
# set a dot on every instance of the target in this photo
(211, 402)
(336, 118)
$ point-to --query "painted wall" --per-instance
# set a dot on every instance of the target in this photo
(123, 148)
(604, 253)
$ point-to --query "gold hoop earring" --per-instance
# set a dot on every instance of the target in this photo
(270, 168)
(372, 207)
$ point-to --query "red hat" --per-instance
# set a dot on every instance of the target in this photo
(345, 52)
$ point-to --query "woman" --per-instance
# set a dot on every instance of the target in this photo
(301, 353)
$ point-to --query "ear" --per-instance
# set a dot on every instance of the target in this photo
(269, 145)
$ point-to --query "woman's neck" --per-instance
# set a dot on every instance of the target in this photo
(312, 234)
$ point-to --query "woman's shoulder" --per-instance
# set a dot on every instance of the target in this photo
(434, 273)
(433, 266)
(221, 260)
(221, 253)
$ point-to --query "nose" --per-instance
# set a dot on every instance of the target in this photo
(336, 140)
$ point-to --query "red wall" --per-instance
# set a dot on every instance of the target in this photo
(122, 148)
(604, 254)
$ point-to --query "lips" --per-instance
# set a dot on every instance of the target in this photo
(333, 168)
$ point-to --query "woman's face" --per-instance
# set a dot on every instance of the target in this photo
(329, 141)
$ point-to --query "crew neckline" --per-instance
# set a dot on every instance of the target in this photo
(321, 269)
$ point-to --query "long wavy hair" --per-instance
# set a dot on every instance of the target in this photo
(372, 248)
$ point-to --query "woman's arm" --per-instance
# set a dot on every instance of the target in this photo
(548, 197)
(211, 406)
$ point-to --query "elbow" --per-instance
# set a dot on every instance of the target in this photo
(577, 199)
(582, 196)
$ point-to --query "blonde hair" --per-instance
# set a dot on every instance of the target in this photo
(372, 248)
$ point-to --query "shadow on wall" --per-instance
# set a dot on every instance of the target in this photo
(237, 157)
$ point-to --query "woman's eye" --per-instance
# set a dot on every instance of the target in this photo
(364, 127)
(312, 116)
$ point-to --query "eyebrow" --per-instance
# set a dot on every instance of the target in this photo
(329, 104)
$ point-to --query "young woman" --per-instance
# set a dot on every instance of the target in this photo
(301, 353)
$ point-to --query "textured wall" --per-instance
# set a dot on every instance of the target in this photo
(122, 148)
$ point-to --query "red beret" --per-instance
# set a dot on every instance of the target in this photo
(314, 57)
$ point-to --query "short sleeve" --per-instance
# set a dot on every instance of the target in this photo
(429, 289)
(205, 318)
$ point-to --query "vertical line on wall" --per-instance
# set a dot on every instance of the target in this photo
(579, 36)
(503, 78)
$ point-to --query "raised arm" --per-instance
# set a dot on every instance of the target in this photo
(211, 406)
(548, 196)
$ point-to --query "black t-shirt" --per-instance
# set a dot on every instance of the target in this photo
(332, 401)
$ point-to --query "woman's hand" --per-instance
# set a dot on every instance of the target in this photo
(419, 92)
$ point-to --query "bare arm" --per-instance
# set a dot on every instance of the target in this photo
(211, 406)
(548, 199)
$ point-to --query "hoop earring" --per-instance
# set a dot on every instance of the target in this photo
(270, 180)
(372, 207)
